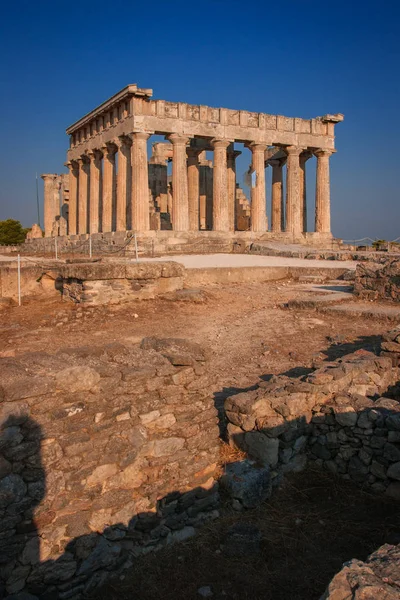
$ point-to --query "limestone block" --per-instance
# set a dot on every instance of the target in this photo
(247, 482)
(77, 379)
(263, 448)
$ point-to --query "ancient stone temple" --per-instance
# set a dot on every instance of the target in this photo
(115, 186)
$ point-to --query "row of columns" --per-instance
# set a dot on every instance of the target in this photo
(290, 213)
(109, 189)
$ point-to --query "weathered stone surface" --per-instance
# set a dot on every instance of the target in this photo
(375, 578)
(95, 457)
(77, 379)
(247, 482)
(262, 447)
(179, 352)
(379, 281)
(394, 471)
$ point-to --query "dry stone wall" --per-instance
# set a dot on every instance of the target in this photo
(375, 579)
(378, 281)
(105, 454)
(336, 416)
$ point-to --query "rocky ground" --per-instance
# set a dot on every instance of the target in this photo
(248, 333)
(287, 549)
(314, 523)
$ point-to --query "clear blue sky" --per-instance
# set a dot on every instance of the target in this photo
(297, 58)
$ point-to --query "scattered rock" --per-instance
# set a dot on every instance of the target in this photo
(205, 591)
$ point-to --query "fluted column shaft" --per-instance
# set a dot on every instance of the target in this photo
(180, 197)
(293, 217)
(108, 188)
(83, 195)
(322, 193)
(231, 166)
(258, 193)
(140, 210)
(277, 212)
(220, 186)
(304, 156)
(193, 188)
(122, 182)
(73, 198)
(94, 198)
(50, 210)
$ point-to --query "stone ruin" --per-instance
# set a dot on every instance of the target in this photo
(375, 579)
(113, 186)
(105, 454)
(108, 453)
(378, 281)
(337, 416)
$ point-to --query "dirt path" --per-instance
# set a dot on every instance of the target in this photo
(244, 326)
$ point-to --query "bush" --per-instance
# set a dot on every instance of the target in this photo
(12, 232)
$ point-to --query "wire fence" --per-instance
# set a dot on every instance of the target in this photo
(48, 264)
(372, 241)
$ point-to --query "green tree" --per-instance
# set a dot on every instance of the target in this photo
(12, 232)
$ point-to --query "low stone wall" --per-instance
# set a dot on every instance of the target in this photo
(108, 283)
(105, 454)
(375, 579)
(378, 281)
(35, 281)
(335, 416)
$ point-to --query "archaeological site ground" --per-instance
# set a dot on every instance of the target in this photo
(196, 402)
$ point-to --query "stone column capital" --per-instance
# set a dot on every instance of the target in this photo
(193, 153)
(276, 162)
(83, 161)
(256, 147)
(48, 176)
(293, 150)
(177, 139)
(217, 143)
(72, 165)
(232, 154)
(94, 155)
(304, 156)
(140, 135)
(122, 141)
(323, 153)
(108, 151)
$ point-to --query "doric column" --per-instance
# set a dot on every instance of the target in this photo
(277, 212)
(193, 188)
(258, 193)
(73, 198)
(50, 208)
(220, 186)
(140, 210)
(94, 198)
(83, 194)
(124, 161)
(108, 187)
(322, 193)
(231, 156)
(293, 217)
(304, 156)
(180, 200)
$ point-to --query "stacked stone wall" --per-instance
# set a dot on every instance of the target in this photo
(375, 579)
(378, 281)
(337, 416)
(105, 454)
